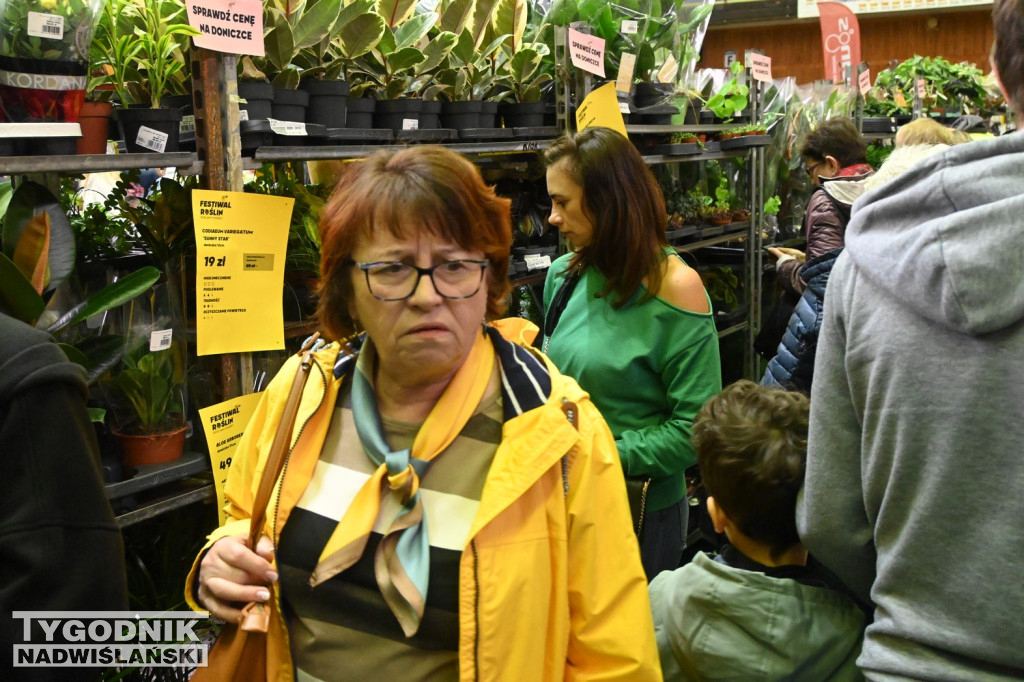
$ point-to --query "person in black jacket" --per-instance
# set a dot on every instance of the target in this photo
(60, 548)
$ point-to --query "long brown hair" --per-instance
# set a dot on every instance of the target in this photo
(1007, 53)
(625, 205)
(422, 188)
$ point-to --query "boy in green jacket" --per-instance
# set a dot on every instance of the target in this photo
(756, 611)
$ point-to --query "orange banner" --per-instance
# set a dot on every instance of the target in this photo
(840, 38)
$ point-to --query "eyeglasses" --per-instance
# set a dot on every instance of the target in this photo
(813, 167)
(394, 281)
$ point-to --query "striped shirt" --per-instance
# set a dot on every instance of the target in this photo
(343, 629)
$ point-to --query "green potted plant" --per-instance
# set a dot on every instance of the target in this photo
(45, 43)
(37, 256)
(467, 79)
(150, 423)
(732, 98)
(157, 45)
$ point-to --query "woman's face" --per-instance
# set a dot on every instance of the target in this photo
(567, 211)
(425, 338)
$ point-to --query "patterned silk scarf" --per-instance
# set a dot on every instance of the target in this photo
(402, 559)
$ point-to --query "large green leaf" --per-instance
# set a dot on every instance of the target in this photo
(456, 15)
(360, 35)
(110, 296)
(436, 50)
(509, 18)
(17, 297)
(523, 65)
(481, 21)
(411, 31)
(98, 354)
(396, 12)
(316, 23)
(29, 200)
(280, 45)
(404, 59)
(6, 190)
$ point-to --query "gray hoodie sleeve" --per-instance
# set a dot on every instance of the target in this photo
(831, 515)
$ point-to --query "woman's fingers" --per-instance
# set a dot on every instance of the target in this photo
(232, 575)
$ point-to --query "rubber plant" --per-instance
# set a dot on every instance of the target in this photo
(38, 254)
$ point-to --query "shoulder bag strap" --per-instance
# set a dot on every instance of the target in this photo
(554, 313)
(279, 447)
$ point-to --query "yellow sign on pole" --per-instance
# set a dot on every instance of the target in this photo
(223, 425)
(601, 108)
(240, 247)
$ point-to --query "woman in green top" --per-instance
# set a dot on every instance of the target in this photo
(637, 331)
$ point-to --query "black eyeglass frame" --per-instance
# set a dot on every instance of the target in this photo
(365, 267)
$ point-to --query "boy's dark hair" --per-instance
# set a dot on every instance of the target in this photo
(836, 137)
(751, 446)
(1008, 49)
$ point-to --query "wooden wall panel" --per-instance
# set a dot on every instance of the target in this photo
(795, 46)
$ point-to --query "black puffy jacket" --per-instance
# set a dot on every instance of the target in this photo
(792, 367)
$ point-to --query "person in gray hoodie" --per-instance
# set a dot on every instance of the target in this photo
(913, 487)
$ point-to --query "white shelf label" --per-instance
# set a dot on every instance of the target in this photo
(45, 25)
(188, 124)
(624, 79)
(410, 124)
(243, 114)
(630, 27)
(624, 107)
(160, 340)
(535, 262)
(151, 139)
(287, 127)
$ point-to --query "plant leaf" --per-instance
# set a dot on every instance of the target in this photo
(410, 32)
(29, 200)
(316, 23)
(405, 58)
(280, 45)
(396, 12)
(110, 296)
(360, 35)
(98, 354)
(31, 254)
(456, 15)
(436, 50)
(481, 21)
(509, 19)
(17, 297)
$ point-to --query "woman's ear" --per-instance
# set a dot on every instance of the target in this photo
(830, 168)
(718, 518)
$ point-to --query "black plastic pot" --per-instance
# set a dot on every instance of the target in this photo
(523, 114)
(259, 98)
(397, 114)
(461, 115)
(327, 102)
(138, 127)
(652, 94)
(430, 115)
(360, 112)
(489, 115)
(289, 105)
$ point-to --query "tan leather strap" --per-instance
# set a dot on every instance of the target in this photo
(282, 441)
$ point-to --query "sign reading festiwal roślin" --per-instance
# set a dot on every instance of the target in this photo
(223, 425)
(240, 246)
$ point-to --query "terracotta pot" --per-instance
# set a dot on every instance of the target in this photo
(94, 118)
(154, 448)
